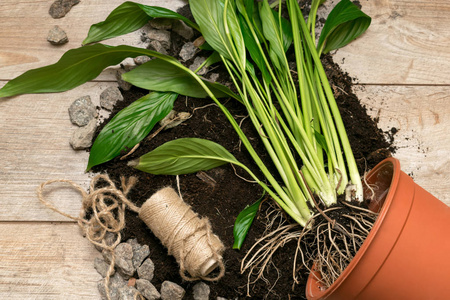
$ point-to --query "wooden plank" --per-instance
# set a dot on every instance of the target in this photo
(420, 115)
(407, 43)
(24, 26)
(34, 134)
(46, 261)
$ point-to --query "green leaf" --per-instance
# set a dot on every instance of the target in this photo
(129, 17)
(130, 126)
(252, 47)
(159, 75)
(75, 67)
(209, 16)
(243, 222)
(320, 139)
(344, 24)
(184, 156)
(273, 30)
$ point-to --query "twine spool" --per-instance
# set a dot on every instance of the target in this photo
(187, 237)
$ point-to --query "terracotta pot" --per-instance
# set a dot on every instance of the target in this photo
(407, 253)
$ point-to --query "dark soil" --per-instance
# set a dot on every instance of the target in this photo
(222, 200)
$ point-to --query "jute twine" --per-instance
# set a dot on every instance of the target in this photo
(102, 211)
(187, 237)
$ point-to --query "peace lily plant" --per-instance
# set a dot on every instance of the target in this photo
(292, 108)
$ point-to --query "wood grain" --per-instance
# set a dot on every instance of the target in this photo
(34, 134)
(46, 261)
(24, 26)
(407, 43)
(419, 114)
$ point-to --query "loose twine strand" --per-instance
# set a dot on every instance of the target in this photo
(103, 211)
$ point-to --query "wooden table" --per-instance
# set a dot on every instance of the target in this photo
(402, 71)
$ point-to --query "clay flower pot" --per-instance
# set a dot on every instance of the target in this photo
(407, 253)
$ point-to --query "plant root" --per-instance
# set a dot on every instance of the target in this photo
(330, 246)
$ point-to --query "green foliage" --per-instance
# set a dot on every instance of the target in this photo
(75, 67)
(184, 156)
(130, 126)
(219, 25)
(344, 24)
(129, 17)
(243, 223)
(159, 75)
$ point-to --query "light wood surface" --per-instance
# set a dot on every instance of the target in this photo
(401, 65)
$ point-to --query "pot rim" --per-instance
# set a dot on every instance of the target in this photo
(312, 278)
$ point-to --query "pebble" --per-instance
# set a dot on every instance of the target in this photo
(183, 30)
(126, 86)
(188, 51)
(147, 289)
(201, 291)
(124, 256)
(82, 111)
(102, 267)
(162, 36)
(127, 293)
(115, 283)
(82, 136)
(60, 8)
(142, 59)
(197, 63)
(161, 23)
(109, 97)
(57, 36)
(158, 47)
(140, 252)
(214, 77)
(171, 291)
(146, 270)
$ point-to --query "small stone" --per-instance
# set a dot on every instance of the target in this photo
(57, 36)
(127, 293)
(139, 254)
(102, 267)
(198, 61)
(147, 289)
(182, 29)
(146, 270)
(156, 46)
(171, 291)
(214, 77)
(162, 36)
(82, 136)
(60, 8)
(124, 255)
(201, 291)
(161, 23)
(188, 51)
(142, 59)
(109, 97)
(115, 283)
(82, 111)
(126, 86)
(110, 238)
